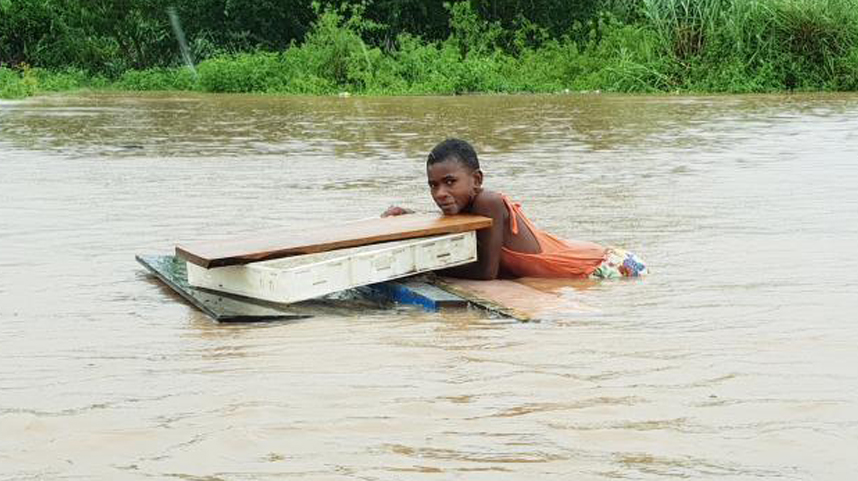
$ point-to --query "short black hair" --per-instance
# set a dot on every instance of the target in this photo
(454, 149)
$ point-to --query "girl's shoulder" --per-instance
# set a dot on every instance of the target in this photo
(489, 203)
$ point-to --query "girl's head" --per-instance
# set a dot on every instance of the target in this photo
(454, 175)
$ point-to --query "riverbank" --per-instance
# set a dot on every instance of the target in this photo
(737, 46)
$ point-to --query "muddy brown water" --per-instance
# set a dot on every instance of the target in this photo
(736, 359)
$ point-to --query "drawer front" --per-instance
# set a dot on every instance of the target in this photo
(293, 280)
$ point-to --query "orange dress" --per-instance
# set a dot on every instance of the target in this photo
(558, 258)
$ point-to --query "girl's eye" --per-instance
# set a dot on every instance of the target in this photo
(449, 181)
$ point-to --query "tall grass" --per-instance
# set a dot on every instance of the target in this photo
(758, 45)
(685, 26)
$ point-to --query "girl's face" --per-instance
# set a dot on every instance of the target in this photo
(453, 186)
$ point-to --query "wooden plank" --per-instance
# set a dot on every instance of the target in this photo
(222, 308)
(290, 242)
(510, 298)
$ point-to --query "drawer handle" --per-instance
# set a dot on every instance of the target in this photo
(383, 263)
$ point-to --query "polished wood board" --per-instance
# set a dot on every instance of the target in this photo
(289, 242)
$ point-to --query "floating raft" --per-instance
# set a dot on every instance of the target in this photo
(284, 243)
(506, 298)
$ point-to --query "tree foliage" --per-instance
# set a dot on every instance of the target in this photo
(111, 36)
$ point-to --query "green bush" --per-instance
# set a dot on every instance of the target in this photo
(60, 81)
(177, 78)
(244, 72)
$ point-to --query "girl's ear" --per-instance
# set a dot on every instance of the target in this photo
(478, 177)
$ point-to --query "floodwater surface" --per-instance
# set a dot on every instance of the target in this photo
(735, 359)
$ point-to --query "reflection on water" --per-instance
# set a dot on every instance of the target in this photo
(733, 360)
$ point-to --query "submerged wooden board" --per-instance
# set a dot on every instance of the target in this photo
(222, 308)
(510, 298)
(290, 242)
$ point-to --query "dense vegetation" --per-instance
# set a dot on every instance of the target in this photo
(422, 46)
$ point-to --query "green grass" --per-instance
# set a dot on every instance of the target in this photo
(634, 46)
(15, 85)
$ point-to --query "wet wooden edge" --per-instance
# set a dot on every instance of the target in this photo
(219, 306)
(480, 301)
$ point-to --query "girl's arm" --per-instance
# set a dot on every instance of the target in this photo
(489, 241)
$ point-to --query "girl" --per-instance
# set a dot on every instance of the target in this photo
(512, 246)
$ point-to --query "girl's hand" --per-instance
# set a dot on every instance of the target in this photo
(396, 210)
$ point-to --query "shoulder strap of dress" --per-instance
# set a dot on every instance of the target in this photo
(515, 213)
(513, 208)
